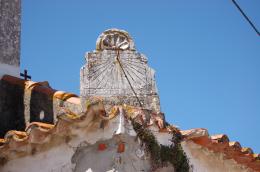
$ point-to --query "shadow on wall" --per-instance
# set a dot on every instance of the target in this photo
(41, 106)
(18, 109)
(11, 106)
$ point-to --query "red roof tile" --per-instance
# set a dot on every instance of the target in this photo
(39, 133)
(43, 87)
(220, 143)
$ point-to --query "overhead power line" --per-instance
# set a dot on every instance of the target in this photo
(245, 16)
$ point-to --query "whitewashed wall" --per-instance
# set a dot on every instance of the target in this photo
(204, 160)
(81, 153)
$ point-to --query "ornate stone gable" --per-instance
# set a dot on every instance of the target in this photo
(118, 73)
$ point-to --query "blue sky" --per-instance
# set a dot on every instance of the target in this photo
(206, 56)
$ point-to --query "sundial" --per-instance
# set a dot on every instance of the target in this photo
(117, 72)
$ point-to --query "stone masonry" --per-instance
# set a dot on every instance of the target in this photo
(119, 74)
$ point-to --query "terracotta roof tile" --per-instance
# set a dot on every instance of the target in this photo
(16, 135)
(43, 87)
(63, 95)
(235, 145)
(38, 133)
(42, 126)
(220, 138)
(220, 143)
(195, 133)
(2, 141)
(13, 80)
(247, 150)
(256, 156)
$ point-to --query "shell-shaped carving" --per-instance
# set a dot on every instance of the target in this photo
(114, 39)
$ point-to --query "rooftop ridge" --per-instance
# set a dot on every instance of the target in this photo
(220, 143)
(44, 88)
(23, 143)
(38, 134)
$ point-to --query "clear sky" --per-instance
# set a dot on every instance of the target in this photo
(206, 56)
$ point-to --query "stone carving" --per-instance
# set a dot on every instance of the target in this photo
(114, 39)
(118, 73)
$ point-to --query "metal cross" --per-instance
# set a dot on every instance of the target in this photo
(26, 77)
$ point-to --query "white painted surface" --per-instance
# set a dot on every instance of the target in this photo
(121, 125)
(204, 160)
(109, 160)
(81, 153)
(6, 69)
(82, 158)
(84, 146)
(163, 138)
(53, 160)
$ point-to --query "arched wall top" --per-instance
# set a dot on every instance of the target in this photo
(114, 39)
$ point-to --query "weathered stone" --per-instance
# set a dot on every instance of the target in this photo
(10, 12)
(118, 73)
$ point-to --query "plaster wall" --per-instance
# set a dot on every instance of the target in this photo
(81, 158)
(57, 159)
(82, 153)
(203, 160)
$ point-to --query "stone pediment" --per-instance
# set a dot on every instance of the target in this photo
(118, 73)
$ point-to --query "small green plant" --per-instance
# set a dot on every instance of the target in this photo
(162, 155)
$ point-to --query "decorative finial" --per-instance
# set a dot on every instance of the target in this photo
(114, 39)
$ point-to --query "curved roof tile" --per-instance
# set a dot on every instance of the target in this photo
(220, 143)
(44, 88)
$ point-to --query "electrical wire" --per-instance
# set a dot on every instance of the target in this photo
(245, 16)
